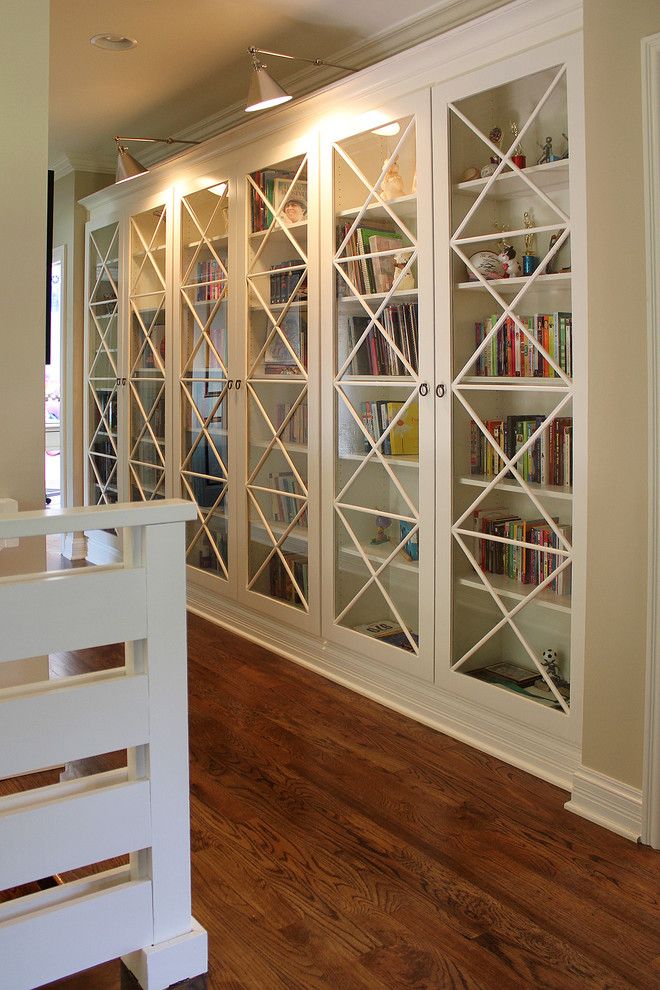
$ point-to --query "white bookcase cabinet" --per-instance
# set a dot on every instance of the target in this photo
(333, 384)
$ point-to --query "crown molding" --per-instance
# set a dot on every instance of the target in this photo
(391, 41)
(82, 163)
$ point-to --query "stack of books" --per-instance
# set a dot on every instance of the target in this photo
(547, 461)
(511, 354)
(371, 251)
(403, 438)
(518, 562)
(375, 356)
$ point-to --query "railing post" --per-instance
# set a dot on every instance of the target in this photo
(179, 948)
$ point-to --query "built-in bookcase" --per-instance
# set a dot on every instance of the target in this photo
(277, 383)
(103, 367)
(204, 375)
(516, 348)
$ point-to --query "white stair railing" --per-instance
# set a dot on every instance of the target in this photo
(141, 911)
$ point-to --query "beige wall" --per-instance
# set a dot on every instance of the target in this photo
(617, 497)
(69, 231)
(23, 167)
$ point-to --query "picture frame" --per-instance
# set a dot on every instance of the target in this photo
(295, 208)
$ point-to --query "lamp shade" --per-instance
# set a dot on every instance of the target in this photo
(127, 166)
(264, 91)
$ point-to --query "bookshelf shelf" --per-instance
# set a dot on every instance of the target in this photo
(545, 491)
(408, 461)
(508, 588)
(549, 177)
(404, 207)
(277, 232)
(512, 286)
(377, 555)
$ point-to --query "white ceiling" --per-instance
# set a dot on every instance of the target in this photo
(190, 62)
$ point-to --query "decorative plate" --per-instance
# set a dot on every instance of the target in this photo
(487, 264)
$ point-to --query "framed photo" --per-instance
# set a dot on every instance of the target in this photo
(295, 209)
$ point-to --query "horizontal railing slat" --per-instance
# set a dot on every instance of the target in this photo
(71, 721)
(79, 829)
(67, 938)
(42, 522)
(72, 610)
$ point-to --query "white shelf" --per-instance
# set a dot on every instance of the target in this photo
(545, 491)
(402, 460)
(403, 206)
(379, 553)
(507, 381)
(560, 280)
(508, 588)
(510, 185)
(371, 380)
(352, 301)
(291, 448)
(302, 304)
(277, 230)
(217, 239)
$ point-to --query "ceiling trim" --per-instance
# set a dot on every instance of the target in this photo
(391, 41)
(83, 163)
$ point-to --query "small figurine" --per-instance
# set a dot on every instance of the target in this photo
(383, 523)
(510, 263)
(547, 154)
(518, 157)
(495, 137)
(400, 261)
(392, 184)
(550, 661)
(471, 172)
(530, 259)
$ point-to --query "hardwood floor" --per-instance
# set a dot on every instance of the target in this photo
(337, 845)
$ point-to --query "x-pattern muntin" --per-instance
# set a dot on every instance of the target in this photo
(276, 319)
(159, 482)
(204, 422)
(203, 518)
(147, 334)
(375, 573)
(204, 334)
(205, 241)
(374, 321)
(146, 417)
(276, 223)
(104, 486)
(276, 441)
(278, 543)
(148, 249)
(103, 408)
(376, 448)
(104, 266)
(508, 616)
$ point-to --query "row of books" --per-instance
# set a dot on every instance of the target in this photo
(404, 435)
(375, 356)
(211, 279)
(511, 354)
(280, 584)
(296, 429)
(517, 562)
(369, 270)
(261, 216)
(547, 461)
(288, 279)
(283, 507)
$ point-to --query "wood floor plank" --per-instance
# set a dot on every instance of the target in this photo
(337, 845)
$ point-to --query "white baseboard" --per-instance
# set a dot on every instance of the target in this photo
(538, 753)
(607, 802)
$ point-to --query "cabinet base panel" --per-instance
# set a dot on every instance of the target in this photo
(541, 754)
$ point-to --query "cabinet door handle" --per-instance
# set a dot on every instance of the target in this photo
(238, 384)
(440, 391)
(423, 389)
(230, 384)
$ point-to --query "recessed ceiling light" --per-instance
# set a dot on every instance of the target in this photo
(112, 42)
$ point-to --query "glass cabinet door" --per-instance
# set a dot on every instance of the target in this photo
(146, 357)
(102, 365)
(379, 390)
(277, 384)
(204, 377)
(512, 387)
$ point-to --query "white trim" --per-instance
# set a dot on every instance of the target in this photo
(82, 163)
(607, 802)
(59, 254)
(651, 142)
(540, 753)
